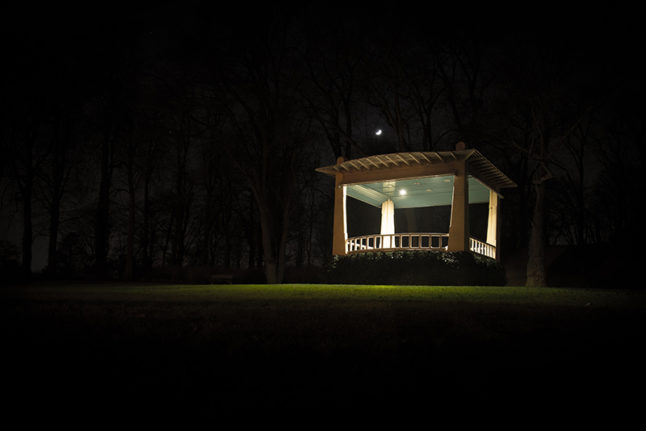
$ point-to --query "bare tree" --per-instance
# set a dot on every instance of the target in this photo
(267, 133)
(466, 79)
(406, 86)
(24, 149)
(55, 177)
(334, 62)
(544, 111)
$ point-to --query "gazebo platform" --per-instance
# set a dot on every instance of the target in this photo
(415, 180)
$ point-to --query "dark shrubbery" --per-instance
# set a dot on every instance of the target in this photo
(9, 263)
(415, 268)
(606, 266)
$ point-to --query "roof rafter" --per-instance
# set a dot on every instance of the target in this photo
(479, 165)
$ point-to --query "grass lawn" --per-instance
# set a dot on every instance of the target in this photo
(206, 348)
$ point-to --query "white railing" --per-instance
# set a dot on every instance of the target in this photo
(398, 241)
(482, 248)
(412, 241)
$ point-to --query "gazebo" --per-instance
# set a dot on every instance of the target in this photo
(414, 180)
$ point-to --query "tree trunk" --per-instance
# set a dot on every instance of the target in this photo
(130, 247)
(252, 237)
(274, 243)
(54, 220)
(145, 238)
(61, 146)
(282, 246)
(269, 252)
(102, 227)
(27, 233)
(536, 249)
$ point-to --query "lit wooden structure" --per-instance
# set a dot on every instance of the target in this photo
(418, 179)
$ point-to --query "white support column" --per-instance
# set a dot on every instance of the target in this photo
(340, 230)
(459, 224)
(387, 222)
(492, 224)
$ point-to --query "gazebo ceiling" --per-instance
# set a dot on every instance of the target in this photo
(416, 192)
(478, 165)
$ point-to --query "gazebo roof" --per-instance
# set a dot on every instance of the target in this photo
(478, 165)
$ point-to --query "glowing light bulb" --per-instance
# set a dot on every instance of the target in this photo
(378, 132)
(402, 192)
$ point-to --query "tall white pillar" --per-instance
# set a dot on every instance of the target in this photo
(387, 222)
(459, 224)
(340, 230)
(492, 225)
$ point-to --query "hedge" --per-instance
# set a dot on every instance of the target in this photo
(416, 268)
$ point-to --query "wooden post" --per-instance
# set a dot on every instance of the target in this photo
(492, 225)
(459, 225)
(340, 231)
(493, 231)
(387, 222)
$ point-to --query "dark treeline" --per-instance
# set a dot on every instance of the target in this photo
(167, 142)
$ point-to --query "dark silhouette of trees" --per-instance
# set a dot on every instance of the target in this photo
(336, 72)
(267, 132)
(25, 138)
(155, 143)
(407, 87)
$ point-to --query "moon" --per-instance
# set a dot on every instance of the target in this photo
(378, 132)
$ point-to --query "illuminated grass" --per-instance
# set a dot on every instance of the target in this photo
(471, 294)
(303, 345)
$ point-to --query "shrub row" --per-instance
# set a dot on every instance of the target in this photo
(415, 268)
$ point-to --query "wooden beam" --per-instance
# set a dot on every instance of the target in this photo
(401, 172)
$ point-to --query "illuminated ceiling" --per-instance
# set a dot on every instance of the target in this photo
(416, 192)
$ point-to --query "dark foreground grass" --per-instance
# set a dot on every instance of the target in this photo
(141, 348)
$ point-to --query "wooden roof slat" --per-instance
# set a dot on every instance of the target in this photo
(479, 165)
(354, 164)
(391, 160)
(363, 163)
(402, 159)
(369, 159)
(381, 160)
